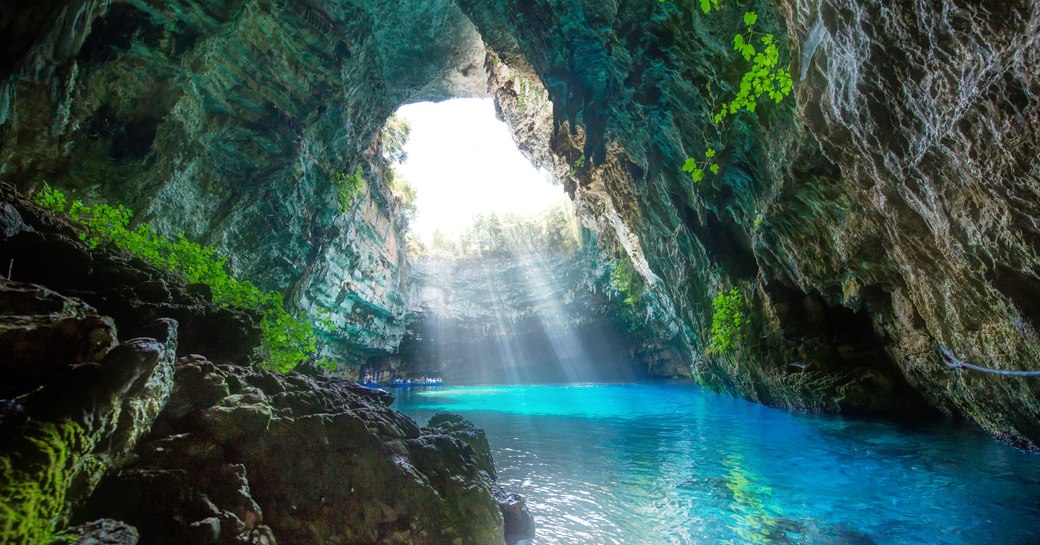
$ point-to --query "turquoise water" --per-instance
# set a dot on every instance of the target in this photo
(668, 463)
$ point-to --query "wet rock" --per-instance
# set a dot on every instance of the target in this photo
(519, 523)
(103, 532)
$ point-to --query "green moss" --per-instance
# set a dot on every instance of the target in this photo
(288, 340)
(34, 486)
(727, 322)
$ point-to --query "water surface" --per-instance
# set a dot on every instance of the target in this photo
(668, 463)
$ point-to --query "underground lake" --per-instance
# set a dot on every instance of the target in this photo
(669, 463)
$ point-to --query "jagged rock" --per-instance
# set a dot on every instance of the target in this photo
(519, 522)
(103, 532)
(75, 403)
(127, 290)
(241, 454)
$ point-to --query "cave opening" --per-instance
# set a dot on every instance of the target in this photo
(497, 259)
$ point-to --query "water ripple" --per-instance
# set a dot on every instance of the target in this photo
(650, 464)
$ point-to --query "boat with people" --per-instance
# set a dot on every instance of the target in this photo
(378, 379)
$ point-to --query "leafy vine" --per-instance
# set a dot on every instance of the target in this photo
(764, 77)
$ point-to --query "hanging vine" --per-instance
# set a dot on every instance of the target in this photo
(764, 77)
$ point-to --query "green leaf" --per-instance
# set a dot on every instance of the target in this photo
(709, 153)
(705, 6)
(767, 39)
(750, 17)
(714, 169)
(690, 165)
(738, 42)
(748, 52)
(697, 175)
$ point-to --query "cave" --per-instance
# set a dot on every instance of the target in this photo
(221, 322)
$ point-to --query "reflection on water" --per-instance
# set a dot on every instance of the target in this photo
(649, 464)
(753, 522)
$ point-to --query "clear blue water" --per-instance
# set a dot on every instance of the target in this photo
(668, 463)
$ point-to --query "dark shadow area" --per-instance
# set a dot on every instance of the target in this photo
(727, 245)
(1024, 292)
(834, 340)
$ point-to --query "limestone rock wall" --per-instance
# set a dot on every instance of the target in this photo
(888, 208)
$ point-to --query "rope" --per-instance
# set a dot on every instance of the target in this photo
(952, 362)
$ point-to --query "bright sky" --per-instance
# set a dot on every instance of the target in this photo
(462, 162)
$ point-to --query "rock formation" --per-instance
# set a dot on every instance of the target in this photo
(888, 210)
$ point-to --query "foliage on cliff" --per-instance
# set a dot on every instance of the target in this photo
(288, 340)
(625, 281)
(727, 323)
(393, 138)
(348, 188)
(764, 77)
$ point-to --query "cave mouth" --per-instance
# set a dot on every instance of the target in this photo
(465, 168)
(495, 250)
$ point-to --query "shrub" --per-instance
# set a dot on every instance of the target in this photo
(727, 323)
(288, 340)
(51, 199)
(348, 188)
